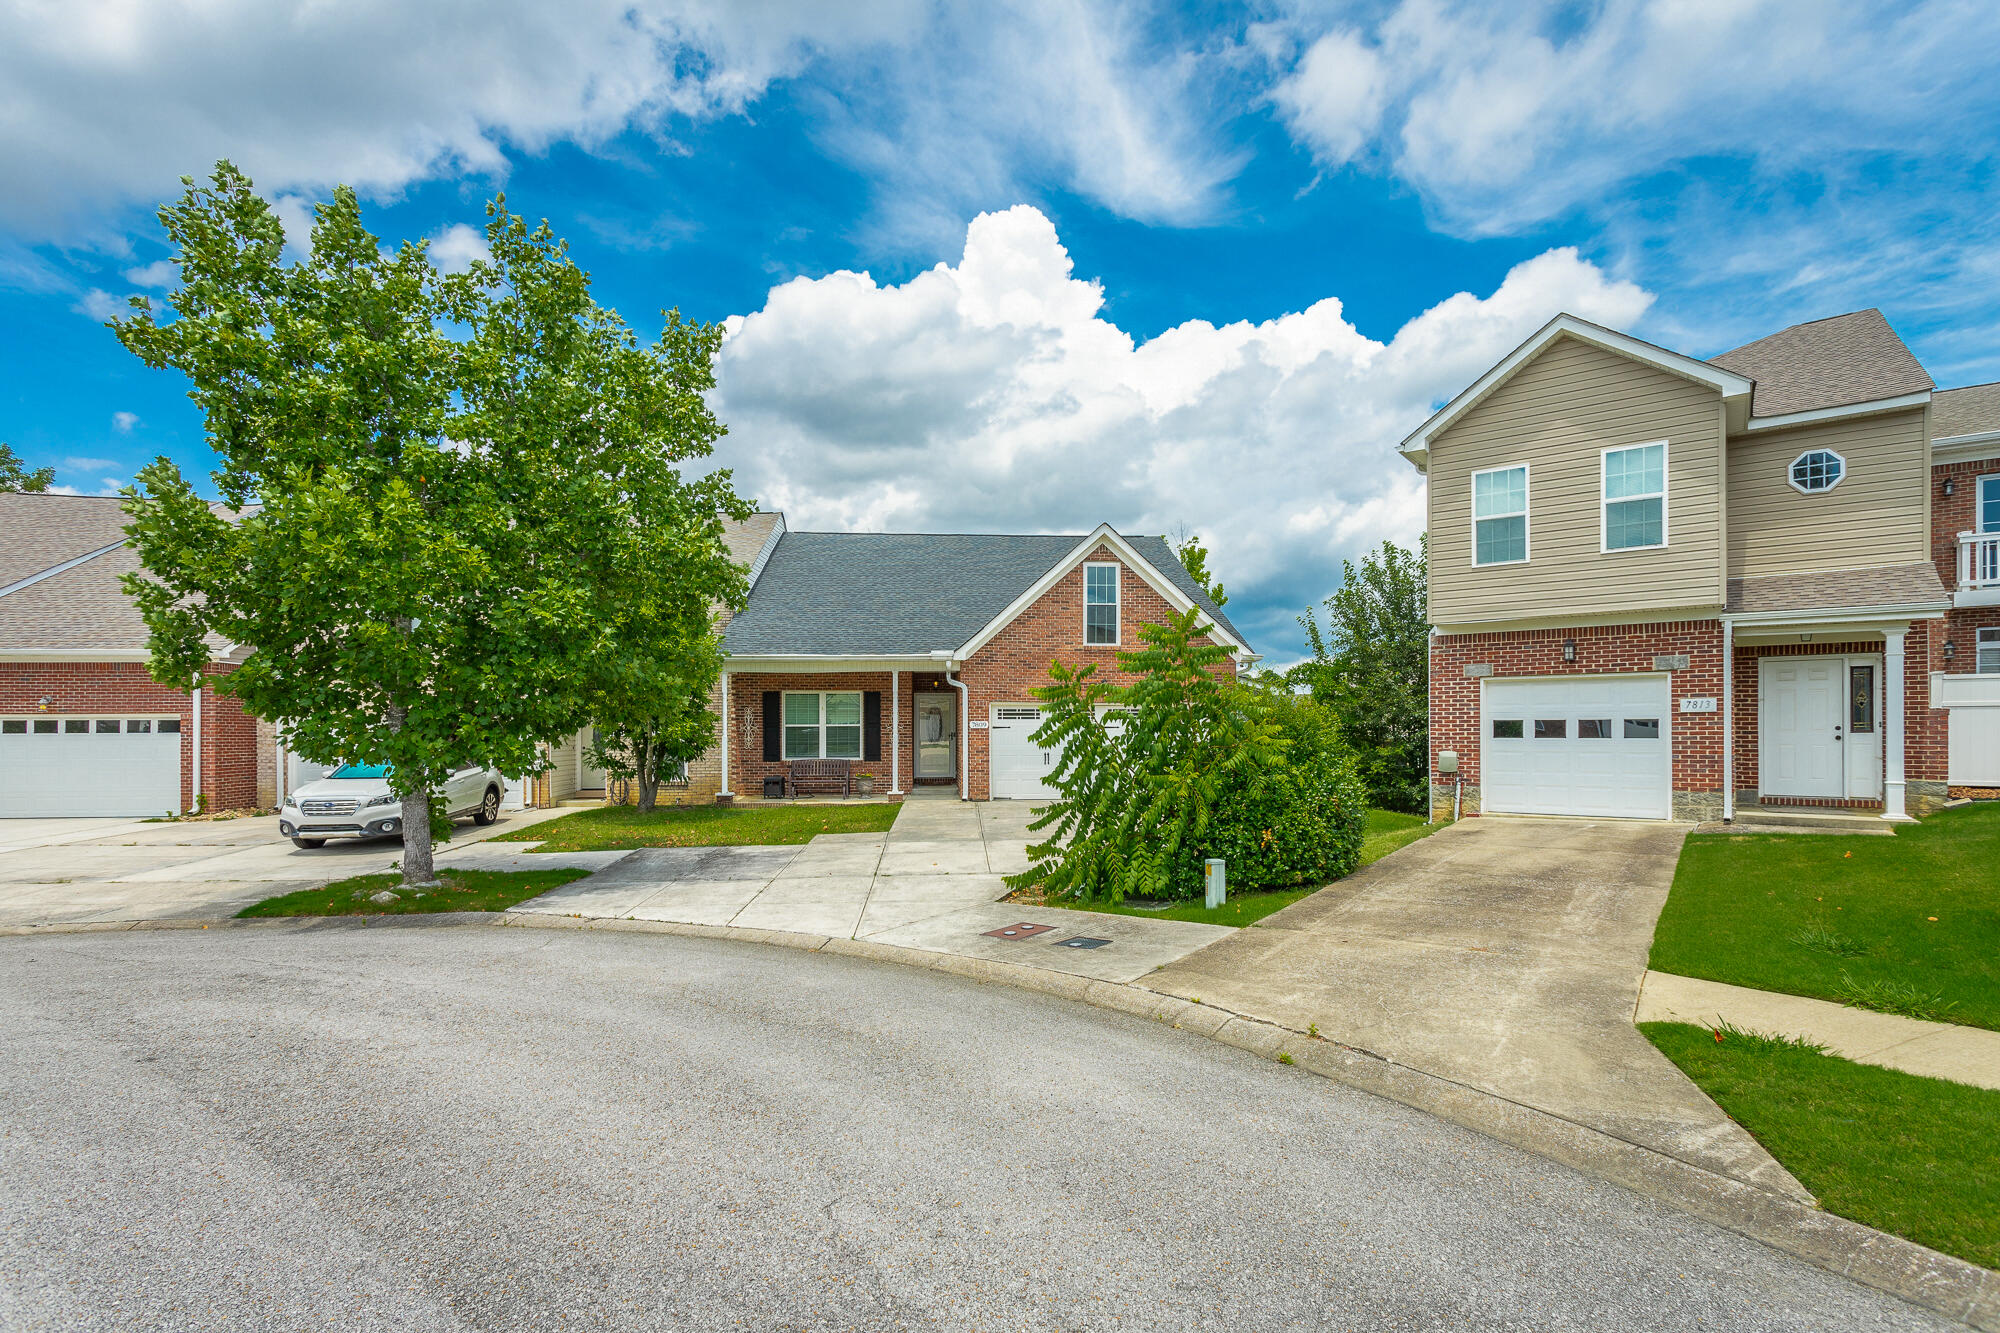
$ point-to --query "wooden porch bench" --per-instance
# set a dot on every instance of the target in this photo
(820, 774)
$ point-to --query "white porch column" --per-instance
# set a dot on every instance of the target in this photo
(725, 737)
(1894, 803)
(1728, 719)
(895, 733)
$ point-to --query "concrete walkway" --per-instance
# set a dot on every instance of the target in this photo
(934, 882)
(1505, 955)
(1933, 1050)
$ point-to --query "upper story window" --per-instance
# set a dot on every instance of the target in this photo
(823, 726)
(1986, 516)
(1987, 658)
(1817, 470)
(1635, 497)
(1100, 604)
(1500, 516)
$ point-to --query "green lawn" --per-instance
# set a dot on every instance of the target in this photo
(1908, 924)
(1914, 1156)
(1386, 832)
(617, 828)
(463, 891)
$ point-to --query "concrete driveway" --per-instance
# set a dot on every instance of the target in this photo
(1503, 953)
(934, 881)
(91, 870)
(392, 1126)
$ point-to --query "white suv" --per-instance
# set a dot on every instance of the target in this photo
(354, 801)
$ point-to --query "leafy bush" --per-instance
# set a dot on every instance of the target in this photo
(1303, 824)
(1183, 764)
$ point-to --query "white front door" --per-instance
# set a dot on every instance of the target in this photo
(1017, 768)
(1801, 747)
(1577, 745)
(589, 777)
(937, 735)
(1820, 727)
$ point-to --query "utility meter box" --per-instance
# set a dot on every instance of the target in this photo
(1215, 891)
(1447, 761)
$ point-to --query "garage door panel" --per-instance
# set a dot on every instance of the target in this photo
(130, 773)
(1569, 769)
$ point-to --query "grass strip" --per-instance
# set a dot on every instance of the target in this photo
(462, 891)
(617, 828)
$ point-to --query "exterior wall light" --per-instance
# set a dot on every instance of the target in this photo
(1949, 649)
(1569, 650)
(1947, 486)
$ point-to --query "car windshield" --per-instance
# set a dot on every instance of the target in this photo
(360, 771)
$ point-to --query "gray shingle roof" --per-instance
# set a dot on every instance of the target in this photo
(79, 610)
(1973, 410)
(871, 593)
(40, 531)
(1854, 358)
(1834, 590)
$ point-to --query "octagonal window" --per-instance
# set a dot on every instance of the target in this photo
(1817, 470)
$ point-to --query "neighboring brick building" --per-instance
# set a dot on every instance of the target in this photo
(1666, 587)
(914, 656)
(84, 730)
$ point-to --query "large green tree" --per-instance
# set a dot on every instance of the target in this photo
(652, 716)
(448, 498)
(1370, 668)
(18, 476)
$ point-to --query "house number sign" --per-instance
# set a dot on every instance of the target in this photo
(1695, 705)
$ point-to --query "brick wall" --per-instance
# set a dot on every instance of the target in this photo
(1923, 726)
(1600, 650)
(230, 748)
(1951, 515)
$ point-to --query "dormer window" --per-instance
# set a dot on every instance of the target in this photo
(1817, 470)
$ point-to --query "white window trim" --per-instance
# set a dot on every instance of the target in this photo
(1527, 522)
(1986, 634)
(1604, 502)
(1816, 449)
(784, 727)
(1117, 602)
(1979, 499)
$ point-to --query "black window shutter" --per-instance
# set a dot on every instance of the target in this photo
(871, 725)
(774, 726)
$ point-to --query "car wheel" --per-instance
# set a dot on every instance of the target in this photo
(489, 809)
(310, 844)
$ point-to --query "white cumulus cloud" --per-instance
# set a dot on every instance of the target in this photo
(455, 248)
(993, 396)
(123, 422)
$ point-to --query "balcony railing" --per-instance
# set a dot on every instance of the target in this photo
(1978, 561)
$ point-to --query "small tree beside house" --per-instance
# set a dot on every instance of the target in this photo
(453, 496)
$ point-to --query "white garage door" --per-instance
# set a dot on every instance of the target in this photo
(1583, 745)
(75, 766)
(1016, 766)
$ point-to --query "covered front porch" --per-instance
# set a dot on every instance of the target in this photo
(1822, 711)
(842, 728)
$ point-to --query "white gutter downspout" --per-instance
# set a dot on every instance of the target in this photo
(1728, 720)
(195, 694)
(964, 737)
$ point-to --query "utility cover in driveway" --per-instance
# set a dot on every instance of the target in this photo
(1020, 930)
(1081, 942)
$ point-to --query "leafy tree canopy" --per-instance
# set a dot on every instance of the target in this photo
(651, 721)
(455, 497)
(1370, 668)
(1194, 558)
(17, 476)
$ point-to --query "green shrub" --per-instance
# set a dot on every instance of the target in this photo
(1301, 824)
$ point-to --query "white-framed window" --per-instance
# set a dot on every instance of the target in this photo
(1100, 603)
(1634, 508)
(1986, 504)
(1500, 515)
(823, 725)
(1986, 658)
(1816, 470)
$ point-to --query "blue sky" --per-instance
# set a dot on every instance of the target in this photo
(1178, 267)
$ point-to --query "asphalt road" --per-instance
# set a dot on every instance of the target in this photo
(417, 1127)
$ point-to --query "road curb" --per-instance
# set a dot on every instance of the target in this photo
(1902, 1268)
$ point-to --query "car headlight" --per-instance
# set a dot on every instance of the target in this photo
(390, 799)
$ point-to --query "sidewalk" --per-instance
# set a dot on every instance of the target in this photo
(1933, 1050)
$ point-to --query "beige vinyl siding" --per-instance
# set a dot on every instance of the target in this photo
(1879, 514)
(1557, 414)
(562, 770)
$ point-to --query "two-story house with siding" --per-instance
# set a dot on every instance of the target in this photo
(1666, 587)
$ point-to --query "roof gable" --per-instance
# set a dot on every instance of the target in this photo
(1734, 388)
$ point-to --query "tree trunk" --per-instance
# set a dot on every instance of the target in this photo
(649, 775)
(418, 870)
